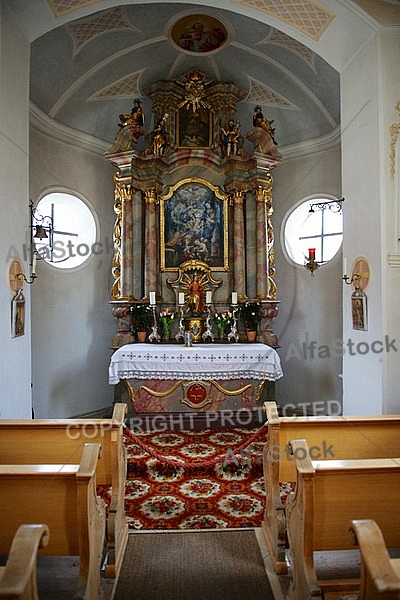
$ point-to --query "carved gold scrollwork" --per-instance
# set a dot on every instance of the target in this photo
(122, 193)
(264, 194)
(394, 136)
(151, 196)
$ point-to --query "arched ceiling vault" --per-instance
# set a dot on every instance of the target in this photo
(90, 58)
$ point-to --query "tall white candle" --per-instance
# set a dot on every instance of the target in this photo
(208, 297)
(345, 266)
(152, 298)
(181, 298)
(34, 264)
(234, 297)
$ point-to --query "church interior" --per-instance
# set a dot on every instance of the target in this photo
(156, 157)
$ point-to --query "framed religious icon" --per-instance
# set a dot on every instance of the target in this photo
(197, 33)
(194, 225)
(359, 310)
(18, 314)
(194, 129)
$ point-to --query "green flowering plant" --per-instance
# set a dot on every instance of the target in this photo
(141, 317)
(224, 318)
(250, 315)
(167, 315)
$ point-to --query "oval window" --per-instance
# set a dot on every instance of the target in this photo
(64, 230)
(316, 223)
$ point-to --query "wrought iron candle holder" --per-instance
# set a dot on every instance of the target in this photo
(233, 335)
(208, 334)
(180, 336)
(154, 335)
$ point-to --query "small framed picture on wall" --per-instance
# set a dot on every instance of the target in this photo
(18, 315)
(359, 310)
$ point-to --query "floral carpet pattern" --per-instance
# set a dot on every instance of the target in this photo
(208, 479)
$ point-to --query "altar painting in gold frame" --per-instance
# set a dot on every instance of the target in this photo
(194, 225)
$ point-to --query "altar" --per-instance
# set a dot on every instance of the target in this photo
(206, 385)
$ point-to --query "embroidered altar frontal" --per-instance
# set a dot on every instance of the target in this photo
(205, 377)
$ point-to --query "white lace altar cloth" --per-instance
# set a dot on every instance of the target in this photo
(200, 362)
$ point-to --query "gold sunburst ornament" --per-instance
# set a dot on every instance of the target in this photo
(195, 84)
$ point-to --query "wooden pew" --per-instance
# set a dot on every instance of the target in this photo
(62, 441)
(329, 437)
(380, 574)
(329, 495)
(18, 576)
(64, 498)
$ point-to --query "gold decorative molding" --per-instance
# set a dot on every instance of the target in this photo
(122, 193)
(394, 136)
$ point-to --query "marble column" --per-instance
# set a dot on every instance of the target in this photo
(239, 272)
(265, 256)
(126, 243)
(151, 243)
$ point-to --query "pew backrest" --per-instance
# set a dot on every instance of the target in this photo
(30, 441)
(64, 498)
(329, 494)
(329, 437)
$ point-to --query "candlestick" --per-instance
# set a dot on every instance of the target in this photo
(181, 298)
(311, 254)
(208, 297)
(152, 298)
(234, 298)
(33, 264)
(345, 266)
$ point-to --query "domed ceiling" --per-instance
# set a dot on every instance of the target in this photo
(87, 71)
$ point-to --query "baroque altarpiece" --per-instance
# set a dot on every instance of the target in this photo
(196, 199)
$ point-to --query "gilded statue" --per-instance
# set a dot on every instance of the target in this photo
(159, 137)
(196, 295)
(231, 138)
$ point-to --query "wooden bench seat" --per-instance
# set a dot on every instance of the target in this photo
(329, 438)
(18, 576)
(27, 441)
(329, 495)
(62, 496)
(380, 574)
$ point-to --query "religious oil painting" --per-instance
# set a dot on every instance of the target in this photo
(18, 314)
(359, 310)
(194, 225)
(194, 128)
(199, 33)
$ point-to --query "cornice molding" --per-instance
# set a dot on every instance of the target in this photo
(50, 127)
(47, 126)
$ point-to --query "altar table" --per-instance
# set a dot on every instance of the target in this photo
(221, 378)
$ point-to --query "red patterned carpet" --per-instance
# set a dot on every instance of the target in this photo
(208, 479)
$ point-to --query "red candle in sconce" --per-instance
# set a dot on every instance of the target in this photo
(311, 254)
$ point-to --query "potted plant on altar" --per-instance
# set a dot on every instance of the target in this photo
(221, 320)
(250, 317)
(166, 318)
(141, 320)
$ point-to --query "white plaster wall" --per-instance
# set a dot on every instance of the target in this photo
(72, 322)
(390, 92)
(363, 225)
(311, 306)
(15, 363)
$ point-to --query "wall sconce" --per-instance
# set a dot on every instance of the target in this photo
(354, 276)
(311, 265)
(332, 205)
(41, 228)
